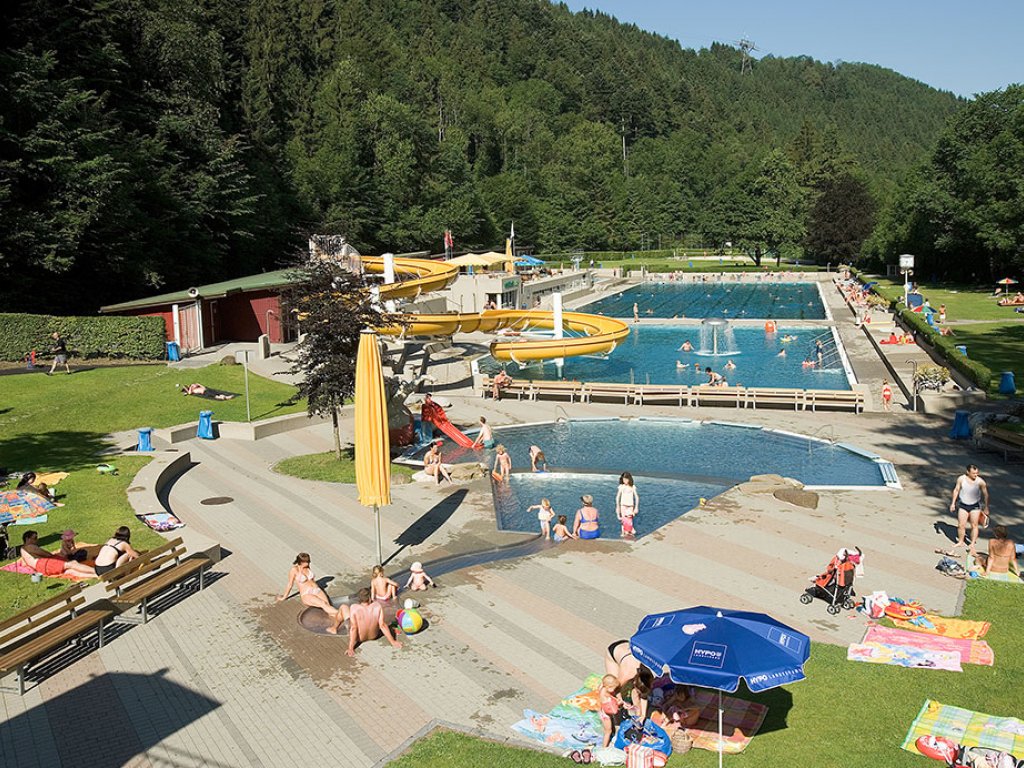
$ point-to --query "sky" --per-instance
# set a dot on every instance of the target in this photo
(963, 47)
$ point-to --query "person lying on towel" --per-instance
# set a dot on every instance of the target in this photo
(210, 394)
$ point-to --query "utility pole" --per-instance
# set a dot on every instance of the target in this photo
(746, 46)
(625, 153)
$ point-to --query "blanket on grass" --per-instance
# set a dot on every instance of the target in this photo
(741, 719)
(904, 656)
(161, 521)
(556, 731)
(971, 651)
(962, 629)
(217, 394)
(965, 726)
(19, 567)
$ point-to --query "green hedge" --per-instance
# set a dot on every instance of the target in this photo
(137, 338)
(980, 374)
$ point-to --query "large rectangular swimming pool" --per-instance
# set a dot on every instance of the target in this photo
(651, 355)
(779, 301)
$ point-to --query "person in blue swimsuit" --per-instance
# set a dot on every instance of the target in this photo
(586, 525)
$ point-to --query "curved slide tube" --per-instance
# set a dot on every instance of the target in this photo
(601, 334)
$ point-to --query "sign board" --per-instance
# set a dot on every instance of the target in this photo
(510, 285)
(906, 261)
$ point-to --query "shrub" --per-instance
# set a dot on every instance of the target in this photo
(136, 338)
(977, 372)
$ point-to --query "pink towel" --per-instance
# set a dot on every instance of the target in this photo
(971, 651)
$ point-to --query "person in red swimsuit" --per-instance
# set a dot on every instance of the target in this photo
(41, 561)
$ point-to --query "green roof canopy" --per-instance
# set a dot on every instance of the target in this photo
(262, 281)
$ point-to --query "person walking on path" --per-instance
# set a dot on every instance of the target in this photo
(60, 353)
(970, 502)
(886, 395)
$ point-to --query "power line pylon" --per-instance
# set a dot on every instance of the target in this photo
(746, 46)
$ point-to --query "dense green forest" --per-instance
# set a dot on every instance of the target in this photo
(152, 144)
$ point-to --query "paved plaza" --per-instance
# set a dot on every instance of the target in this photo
(227, 676)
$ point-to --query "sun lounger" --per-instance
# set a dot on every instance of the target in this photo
(1000, 440)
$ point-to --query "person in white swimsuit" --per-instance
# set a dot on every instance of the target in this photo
(302, 578)
(627, 503)
(970, 503)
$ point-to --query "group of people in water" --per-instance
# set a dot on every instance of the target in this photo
(587, 521)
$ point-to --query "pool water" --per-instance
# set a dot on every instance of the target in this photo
(780, 301)
(677, 461)
(650, 355)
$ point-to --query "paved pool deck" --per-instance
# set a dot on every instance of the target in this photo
(227, 677)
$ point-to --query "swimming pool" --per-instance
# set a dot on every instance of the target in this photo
(780, 301)
(677, 461)
(650, 355)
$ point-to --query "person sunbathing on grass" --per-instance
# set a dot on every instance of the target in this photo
(200, 391)
(48, 564)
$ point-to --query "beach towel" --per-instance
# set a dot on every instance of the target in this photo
(217, 394)
(964, 726)
(741, 719)
(50, 479)
(1007, 578)
(561, 732)
(161, 521)
(904, 656)
(971, 651)
(957, 628)
(19, 567)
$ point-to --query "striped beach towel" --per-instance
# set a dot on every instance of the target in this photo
(741, 719)
(963, 629)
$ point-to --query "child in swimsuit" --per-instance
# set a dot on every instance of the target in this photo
(382, 588)
(561, 532)
(502, 463)
(627, 503)
(418, 579)
(544, 515)
(611, 705)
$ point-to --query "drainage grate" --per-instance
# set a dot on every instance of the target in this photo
(215, 500)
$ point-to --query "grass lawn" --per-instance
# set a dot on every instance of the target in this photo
(60, 423)
(844, 714)
(1000, 346)
(327, 468)
(963, 302)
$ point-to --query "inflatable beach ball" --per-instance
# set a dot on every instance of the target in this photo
(409, 621)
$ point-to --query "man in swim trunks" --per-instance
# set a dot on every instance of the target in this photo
(486, 438)
(48, 564)
(366, 622)
(970, 502)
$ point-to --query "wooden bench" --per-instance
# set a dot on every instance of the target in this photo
(570, 389)
(601, 389)
(35, 633)
(137, 582)
(706, 394)
(1001, 440)
(835, 398)
(756, 396)
(517, 387)
(662, 392)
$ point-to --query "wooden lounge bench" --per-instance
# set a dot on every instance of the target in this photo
(835, 399)
(1001, 440)
(603, 389)
(662, 393)
(137, 582)
(756, 396)
(570, 389)
(37, 632)
(706, 394)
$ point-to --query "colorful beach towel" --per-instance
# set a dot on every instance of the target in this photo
(19, 567)
(562, 732)
(741, 719)
(963, 629)
(971, 651)
(965, 726)
(161, 521)
(904, 656)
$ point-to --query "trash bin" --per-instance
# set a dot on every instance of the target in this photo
(962, 349)
(205, 428)
(173, 351)
(961, 426)
(1007, 386)
(145, 439)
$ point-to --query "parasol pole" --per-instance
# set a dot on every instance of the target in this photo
(376, 520)
(720, 729)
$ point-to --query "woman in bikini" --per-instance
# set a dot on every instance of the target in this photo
(433, 466)
(116, 551)
(586, 524)
(635, 680)
(301, 577)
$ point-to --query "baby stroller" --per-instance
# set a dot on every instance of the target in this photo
(835, 585)
(6, 551)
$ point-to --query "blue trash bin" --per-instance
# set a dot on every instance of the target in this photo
(962, 349)
(1007, 386)
(205, 428)
(961, 426)
(173, 351)
(145, 439)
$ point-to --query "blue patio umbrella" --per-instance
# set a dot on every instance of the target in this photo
(22, 505)
(715, 648)
(529, 261)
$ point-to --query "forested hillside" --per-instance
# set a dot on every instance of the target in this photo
(148, 144)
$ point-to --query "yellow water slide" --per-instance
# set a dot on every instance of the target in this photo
(600, 334)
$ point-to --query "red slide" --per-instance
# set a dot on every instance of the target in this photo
(436, 416)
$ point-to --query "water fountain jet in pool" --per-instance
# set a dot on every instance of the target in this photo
(717, 337)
